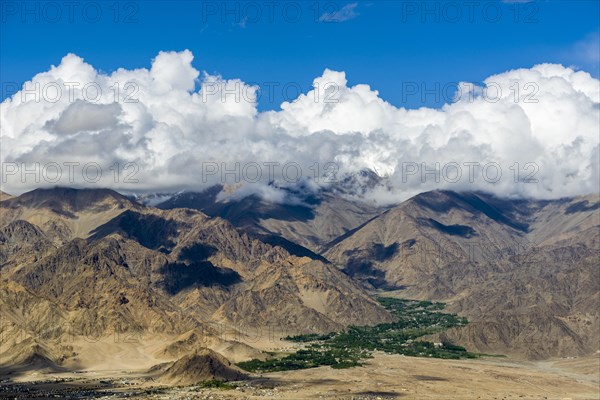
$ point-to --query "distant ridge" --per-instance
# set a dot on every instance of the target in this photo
(69, 200)
(4, 196)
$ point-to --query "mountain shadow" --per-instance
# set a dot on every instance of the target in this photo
(289, 246)
(511, 213)
(193, 269)
(148, 230)
(179, 276)
(582, 206)
(361, 266)
(453, 230)
(247, 213)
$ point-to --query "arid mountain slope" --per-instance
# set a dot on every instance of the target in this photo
(144, 270)
(4, 195)
(303, 226)
(516, 268)
(64, 213)
(524, 272)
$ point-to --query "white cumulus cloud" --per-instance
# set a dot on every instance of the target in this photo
(530, 132)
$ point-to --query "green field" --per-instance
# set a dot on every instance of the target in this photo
(351, 347)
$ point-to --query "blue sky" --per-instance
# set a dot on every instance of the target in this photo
(387, 44)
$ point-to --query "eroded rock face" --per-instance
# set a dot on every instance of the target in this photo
(139, 270)
(304, 228)
(524, 272)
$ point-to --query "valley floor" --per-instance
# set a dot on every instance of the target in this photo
(385, 376)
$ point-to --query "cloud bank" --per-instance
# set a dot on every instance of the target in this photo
(531, 132)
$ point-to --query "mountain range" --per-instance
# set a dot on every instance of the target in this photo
(82, 265)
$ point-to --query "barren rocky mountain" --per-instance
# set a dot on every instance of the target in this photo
(524, 272)
(494, 260)
(119, 267)
(83, 267)
(63, 213)
(303, 227)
